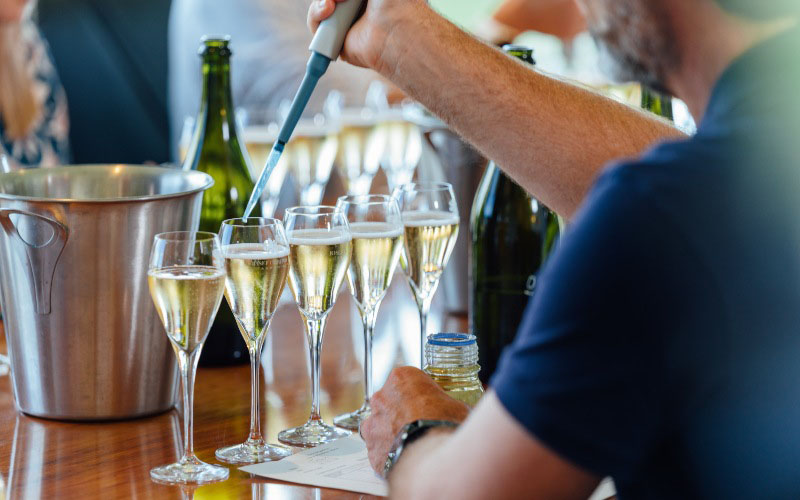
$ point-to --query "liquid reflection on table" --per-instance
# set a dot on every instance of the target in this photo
(48, 459)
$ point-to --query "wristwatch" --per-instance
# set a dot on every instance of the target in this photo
(408, 434)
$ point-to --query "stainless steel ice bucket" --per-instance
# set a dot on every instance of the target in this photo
(84, 339)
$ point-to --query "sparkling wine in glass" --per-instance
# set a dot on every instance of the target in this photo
(260, 131)
(310, 155)
(186, 276)
(319, 253)
(430, 220)
(256, 257)
(361, 146)
(402, 150)
(377, 232)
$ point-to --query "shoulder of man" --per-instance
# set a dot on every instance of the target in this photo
(663, 163)
(592, 336)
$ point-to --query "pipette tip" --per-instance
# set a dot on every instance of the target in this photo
(272, 161)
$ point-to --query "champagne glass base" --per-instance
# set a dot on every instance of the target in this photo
(313, 433)
(247, 453)
(189, 472)
(351, 421)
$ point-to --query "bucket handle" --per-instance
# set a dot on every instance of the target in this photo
(43, 240)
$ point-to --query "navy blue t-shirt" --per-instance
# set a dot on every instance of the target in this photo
(663, 345)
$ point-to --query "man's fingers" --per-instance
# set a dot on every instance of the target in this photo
(318, 12)
(377, 400)
(408, 394)
(401, 379)
(370, 430)
(365, 428)
(377, 461)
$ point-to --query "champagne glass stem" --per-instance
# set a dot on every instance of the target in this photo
(255, 436)
(187, 362)
(315, 329)
(424, 307)
(368, 318)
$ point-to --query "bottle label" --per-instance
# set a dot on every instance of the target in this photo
(510, 286)
(530, 285)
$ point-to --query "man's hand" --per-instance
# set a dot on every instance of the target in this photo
(408, 395)
(366, 41)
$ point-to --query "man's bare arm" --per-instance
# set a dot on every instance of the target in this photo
(489, 456)
(551, 136)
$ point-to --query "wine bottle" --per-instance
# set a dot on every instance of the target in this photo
(215, 149)
(512, 236)
(657, 103)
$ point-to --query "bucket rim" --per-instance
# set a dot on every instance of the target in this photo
(208, 182)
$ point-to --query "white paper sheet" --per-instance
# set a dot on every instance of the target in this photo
(341, 464)
(604, 490)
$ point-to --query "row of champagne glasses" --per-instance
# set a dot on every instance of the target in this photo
(361, 238)
(356, 141)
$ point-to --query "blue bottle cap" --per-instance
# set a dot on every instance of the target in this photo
(451, 339)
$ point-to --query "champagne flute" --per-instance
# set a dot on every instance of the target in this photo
(377, 231)
(402, 149)
(361, 147)
(430, 220)
(5, 164)
(185, 139)
(186, 276)
(319, 253)
(260, 131)
(256, 257)
(310, 155)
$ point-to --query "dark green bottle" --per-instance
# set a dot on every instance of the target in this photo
(216, 150)
(512, 236)
(657, 103)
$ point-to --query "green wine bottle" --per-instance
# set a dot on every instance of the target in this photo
(657, 103)
(512, 236)
(215, 149)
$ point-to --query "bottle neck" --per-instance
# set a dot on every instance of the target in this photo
(216, 106)
(441, 357)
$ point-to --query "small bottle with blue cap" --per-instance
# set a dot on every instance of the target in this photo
(451, 359)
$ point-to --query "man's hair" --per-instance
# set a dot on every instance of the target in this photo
(762, 9)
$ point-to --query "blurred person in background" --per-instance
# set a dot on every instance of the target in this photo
(269, 42)
(34, 125)
(560, 18)
(661, 347)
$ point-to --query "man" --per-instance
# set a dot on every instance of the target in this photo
(663, 345)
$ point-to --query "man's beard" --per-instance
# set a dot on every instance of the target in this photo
(635, 42)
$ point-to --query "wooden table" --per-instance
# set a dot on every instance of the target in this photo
(49, 459)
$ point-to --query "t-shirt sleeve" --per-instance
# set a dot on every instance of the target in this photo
(583, 372)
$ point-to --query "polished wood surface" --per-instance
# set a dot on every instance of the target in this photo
(49, 459)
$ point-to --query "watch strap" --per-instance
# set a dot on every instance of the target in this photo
(407, 435)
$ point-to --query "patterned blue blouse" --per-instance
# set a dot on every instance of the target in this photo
(48, 144)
